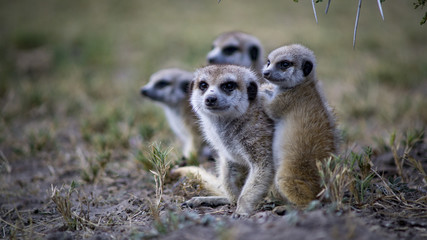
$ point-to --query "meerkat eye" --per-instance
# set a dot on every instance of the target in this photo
(228, 86)
(203, 86)
(229, 50)
(284, 64)
(268, 63)
(162, 84)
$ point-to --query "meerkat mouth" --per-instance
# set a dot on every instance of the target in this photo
(217, 108)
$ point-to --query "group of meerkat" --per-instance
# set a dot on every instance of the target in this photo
(268, 125)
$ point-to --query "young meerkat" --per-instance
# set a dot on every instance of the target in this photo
(305, 130)
(237, 48)
(235, 124)
(170, 88)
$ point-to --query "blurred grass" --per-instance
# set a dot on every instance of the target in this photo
(83, 62)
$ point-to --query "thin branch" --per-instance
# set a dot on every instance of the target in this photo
(314, 10)
(356, 23)
(327, 6)
(381, 8)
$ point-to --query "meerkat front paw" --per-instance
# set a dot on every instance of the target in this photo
(211, 201)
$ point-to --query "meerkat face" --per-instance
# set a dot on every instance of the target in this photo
(235, 48)
(168, 86)
(223, 90)
(289, 66)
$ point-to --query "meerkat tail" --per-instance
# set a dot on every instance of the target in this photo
(209, 181)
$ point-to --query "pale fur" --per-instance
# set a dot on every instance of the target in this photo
(174, 99)
(305, 130)
(244, 43)
(240, 131)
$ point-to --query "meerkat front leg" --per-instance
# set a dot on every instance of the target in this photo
(257, 185)
(232, 177)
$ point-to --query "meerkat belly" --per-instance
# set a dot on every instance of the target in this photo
(280, 139)
(177, 125)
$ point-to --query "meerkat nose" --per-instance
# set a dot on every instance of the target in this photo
(266, 73)
(212, 60)
(144, 92)
(210, 101)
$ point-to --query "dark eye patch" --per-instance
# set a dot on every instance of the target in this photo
(268, 63)
(203, 86)
(228, 86)
(162, 83)
(230, 50)
(284, 64)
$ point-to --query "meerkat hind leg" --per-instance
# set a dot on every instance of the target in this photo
(210, 201)
(299, 191)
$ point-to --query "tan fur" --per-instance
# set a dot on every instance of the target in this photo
(209, 181)
(241, 132)
(175, 101)
(305, 126)
(242, 56)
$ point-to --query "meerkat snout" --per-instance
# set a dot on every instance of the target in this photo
(170, 89)
(211, 101)
(237, 48)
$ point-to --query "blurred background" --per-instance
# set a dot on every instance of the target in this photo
(71, 70)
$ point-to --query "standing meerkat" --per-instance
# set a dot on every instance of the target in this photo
(305, 130)
(170, 88)
(234, 123)
(237, 48)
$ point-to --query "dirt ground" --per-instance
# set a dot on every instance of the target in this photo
(117, 205)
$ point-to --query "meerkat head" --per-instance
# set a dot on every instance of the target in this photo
(223, 90)
(290, 66)
(237, 48)
(168, 86)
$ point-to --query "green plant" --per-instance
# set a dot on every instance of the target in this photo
(411, 138)
(160, 167)
(62, 199)
(41, 140)
(361, 176)
(94, 167)
(341, 174)
(334, 179)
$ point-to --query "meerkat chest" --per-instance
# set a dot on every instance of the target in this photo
(281, 132)
(224, 140)
(177, 124)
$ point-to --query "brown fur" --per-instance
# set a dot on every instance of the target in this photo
(308, 134)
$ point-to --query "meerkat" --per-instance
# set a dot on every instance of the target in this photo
(170, 88)
(234, 123)
(305, 128)
(237, 48)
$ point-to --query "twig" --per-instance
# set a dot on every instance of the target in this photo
(22, 229)
(314, 10)
(381, 8)
(327, 7)
(356, 23)
(6, 162)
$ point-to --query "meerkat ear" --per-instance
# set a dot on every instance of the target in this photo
(307, 66)
(185, 86)
(253, 52)
(252, 91)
